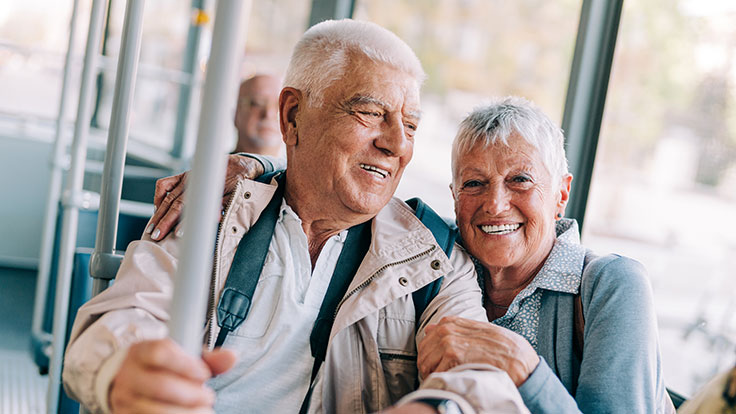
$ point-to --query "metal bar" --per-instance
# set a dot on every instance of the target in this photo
(330, 9)
(70, 216)
(586, 94)
(206, 180)
(189, 66)
(52, 203)
(101, 74)
(112, 174)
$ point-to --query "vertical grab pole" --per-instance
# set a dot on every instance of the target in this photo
(586, 95)
(71, 202)
(103, 263)
(206, 180)
(52, 203)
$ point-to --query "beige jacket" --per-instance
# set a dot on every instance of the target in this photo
(371, 357)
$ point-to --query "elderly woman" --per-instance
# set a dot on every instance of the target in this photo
(574, 331)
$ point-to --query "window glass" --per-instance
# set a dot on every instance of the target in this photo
(33, 41)
(664, 184)
(153, 118)
(473, 50)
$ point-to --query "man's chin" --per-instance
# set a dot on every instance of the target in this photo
(367, 203)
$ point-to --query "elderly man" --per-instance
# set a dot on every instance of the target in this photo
(256, 116)
(348, 113)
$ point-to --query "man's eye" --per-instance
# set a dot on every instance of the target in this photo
(411, 127)
(371, 113)
(472, 184)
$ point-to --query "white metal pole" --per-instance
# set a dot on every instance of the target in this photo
(70, 201)
(112, 174)
(52, 203)
(206, 180)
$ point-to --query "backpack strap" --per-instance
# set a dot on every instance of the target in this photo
(241, 282)
(577, 316)
(445, 237)
(267, 177)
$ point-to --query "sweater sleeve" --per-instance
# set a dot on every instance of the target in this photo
(268, 162)
(620, 371)
(543, 392)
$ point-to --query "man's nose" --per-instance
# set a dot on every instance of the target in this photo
(270, 112)
(393, 139)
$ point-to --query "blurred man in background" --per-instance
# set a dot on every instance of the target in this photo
(256, 116)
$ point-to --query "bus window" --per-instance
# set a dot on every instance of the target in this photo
(472, 50)
(664, 184)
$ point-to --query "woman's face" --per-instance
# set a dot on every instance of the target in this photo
(506, 203)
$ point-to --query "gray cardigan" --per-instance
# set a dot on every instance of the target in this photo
(621, 369)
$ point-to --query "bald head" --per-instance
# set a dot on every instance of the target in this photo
(256, 116)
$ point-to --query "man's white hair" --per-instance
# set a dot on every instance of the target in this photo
(322, 54)
(495, 122)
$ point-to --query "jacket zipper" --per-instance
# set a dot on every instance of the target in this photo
(377, 272)
(211, 313)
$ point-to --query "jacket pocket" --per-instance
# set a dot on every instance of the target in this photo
(262, 309)
(400, 372)
(397, 350)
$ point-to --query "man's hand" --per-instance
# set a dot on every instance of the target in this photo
(169, 196)
(159, 377)
(455, 341)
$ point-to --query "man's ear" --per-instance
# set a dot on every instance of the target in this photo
(290, 102)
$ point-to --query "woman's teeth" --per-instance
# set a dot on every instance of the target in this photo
(502, 229)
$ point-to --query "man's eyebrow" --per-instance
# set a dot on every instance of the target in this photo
(416, 115)
(367, 99)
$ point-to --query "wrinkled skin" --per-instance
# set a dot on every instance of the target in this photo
(158, 376)
(455, 341)
(168, 198)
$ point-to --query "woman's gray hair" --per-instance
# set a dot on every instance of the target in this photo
(322, 54)
(496, 121)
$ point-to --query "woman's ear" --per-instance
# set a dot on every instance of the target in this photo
(564, 194)
(290, 102)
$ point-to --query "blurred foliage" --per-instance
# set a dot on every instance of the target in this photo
(487, 47)
(665, 76)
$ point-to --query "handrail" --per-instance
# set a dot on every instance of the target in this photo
(108, 64)
(52, 203)
(70, 217)
(206, 179)
(112, 174)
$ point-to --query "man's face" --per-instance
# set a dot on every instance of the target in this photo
(256, 116)
(353, 147)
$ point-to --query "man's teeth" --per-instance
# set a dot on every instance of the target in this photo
(502, 229)
(374, 170)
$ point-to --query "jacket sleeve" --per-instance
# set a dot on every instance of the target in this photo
(621, 369)
(133, 309)
(269, 163)
(476, 388)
